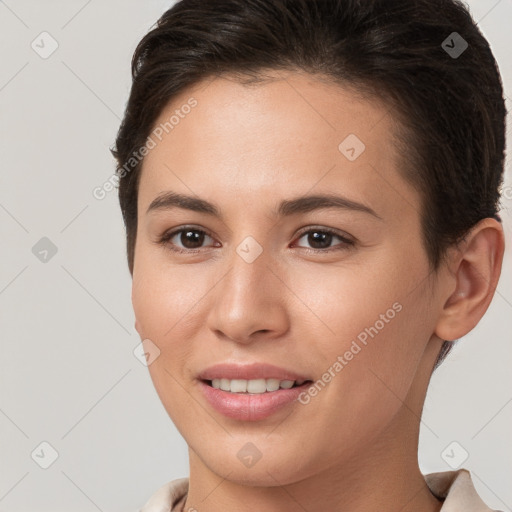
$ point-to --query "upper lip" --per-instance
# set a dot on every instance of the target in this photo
(248, 372)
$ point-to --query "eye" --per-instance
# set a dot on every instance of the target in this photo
(321, 239)
(190, 238)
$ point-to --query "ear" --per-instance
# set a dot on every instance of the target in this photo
(476, 268)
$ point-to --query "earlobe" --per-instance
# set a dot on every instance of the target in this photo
(477, 270)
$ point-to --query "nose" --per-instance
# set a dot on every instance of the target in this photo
(249, 302)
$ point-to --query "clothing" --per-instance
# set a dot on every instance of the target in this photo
(455, 487)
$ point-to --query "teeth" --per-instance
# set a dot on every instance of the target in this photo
(254, 386)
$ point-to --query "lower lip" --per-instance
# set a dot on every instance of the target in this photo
(250, 407)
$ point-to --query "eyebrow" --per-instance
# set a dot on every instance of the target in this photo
(288, 207)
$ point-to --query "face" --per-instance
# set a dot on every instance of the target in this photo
(335, 291)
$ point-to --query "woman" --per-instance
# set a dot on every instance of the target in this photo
(310, 192)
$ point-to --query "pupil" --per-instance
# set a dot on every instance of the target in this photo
(196, 237)
(315, 237)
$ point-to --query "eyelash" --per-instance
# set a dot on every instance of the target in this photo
(346, 242)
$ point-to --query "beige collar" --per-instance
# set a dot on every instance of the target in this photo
(455, 487)
(458, 491)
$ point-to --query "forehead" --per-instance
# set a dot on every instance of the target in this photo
(286, 136)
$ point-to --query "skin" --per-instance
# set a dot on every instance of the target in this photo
(354, 446)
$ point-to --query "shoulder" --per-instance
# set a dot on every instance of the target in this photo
(457, 490)
(166, 496)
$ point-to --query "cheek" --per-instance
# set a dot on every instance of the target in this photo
(370, 317)
(347, 301)
(157, 311)
(164, 298)
(165, 306)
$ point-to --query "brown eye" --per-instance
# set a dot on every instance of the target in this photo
(321, 240)
(184, 239)
(191, 239)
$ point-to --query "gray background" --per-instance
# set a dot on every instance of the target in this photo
(69, 376)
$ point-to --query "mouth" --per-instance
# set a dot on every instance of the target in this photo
(251, 399)
(254, 386)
